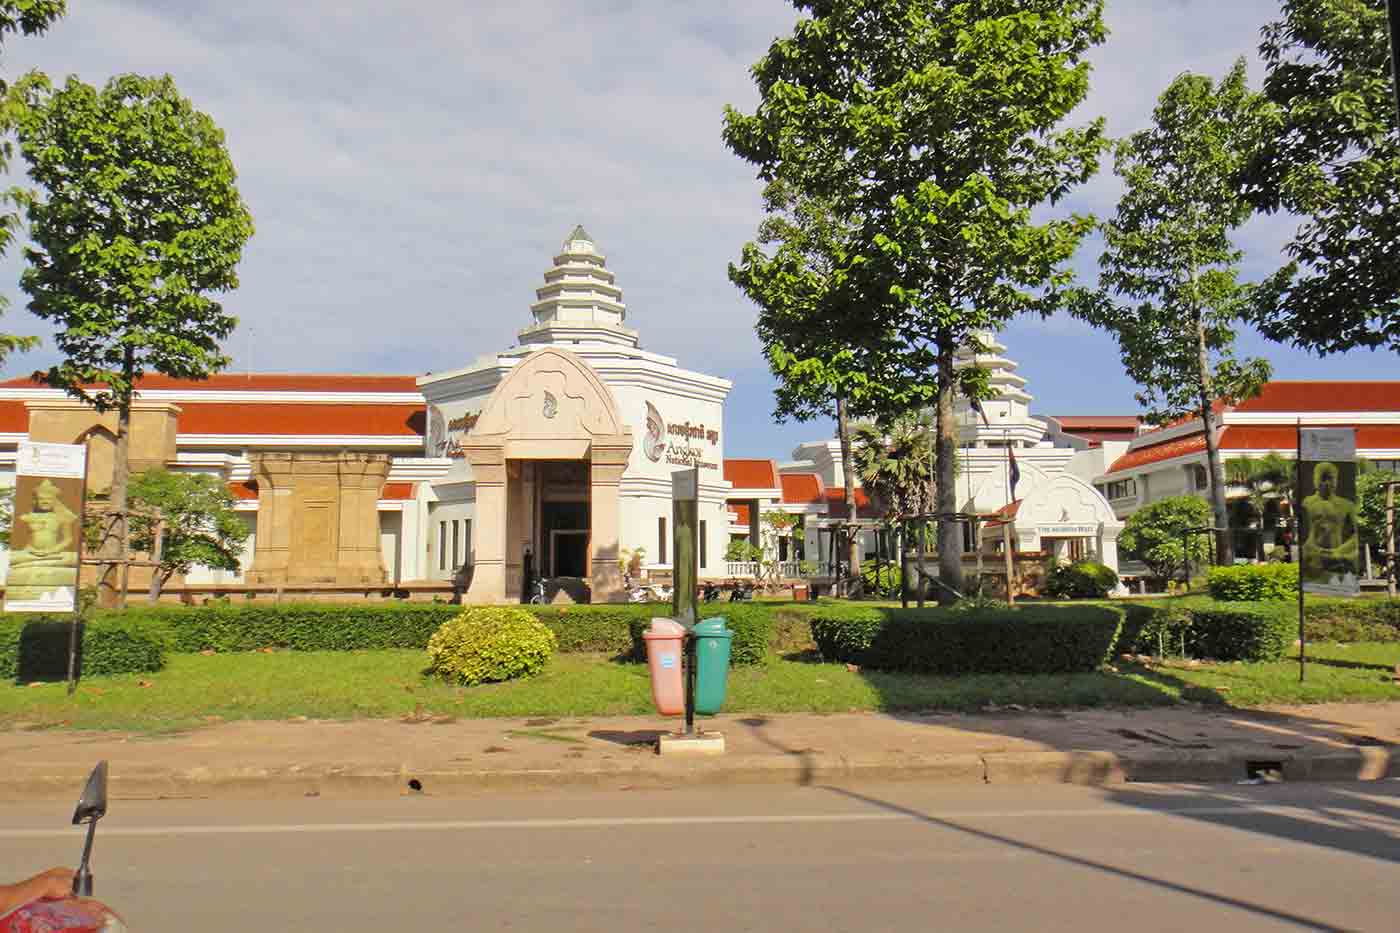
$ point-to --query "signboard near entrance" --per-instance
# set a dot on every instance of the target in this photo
(1330, 551)
(1068, 531)
(46, 535)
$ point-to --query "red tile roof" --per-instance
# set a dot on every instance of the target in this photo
(275, 418)
(14, 418)
(836, 504)
(740, 513)
(1098, 422)
(1280, 437)
(300, 419)
(1284, 438)
(263, 382)
(751, 474)
(1156, 453)
(246, 490)
(397, 491)
(1317, 395)
(802, 488)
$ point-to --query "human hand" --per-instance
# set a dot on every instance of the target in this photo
(54, 883)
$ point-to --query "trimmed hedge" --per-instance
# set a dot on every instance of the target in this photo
(1252, 583)
(36, 648)
(1208, 629)
(1035, 640)
(1351, 620)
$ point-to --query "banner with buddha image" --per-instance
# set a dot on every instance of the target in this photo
(46, 531)
(1329, 555)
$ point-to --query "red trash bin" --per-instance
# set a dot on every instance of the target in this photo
(665, 645)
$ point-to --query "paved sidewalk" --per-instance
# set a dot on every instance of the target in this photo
(380, 757)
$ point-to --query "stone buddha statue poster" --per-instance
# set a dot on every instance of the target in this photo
(46, 534)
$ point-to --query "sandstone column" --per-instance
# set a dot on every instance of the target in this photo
(606, 466)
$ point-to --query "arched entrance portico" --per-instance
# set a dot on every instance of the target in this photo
(547, 455)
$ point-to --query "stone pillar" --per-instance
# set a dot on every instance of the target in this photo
(488, 583)
(606, 466)
(318, 518)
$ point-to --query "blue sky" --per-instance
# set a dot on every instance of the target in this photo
(412, 172)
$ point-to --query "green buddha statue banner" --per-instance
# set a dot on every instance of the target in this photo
(1329, 561)
(46, 535)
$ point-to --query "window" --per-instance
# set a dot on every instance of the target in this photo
(442, 545)
(661, 540)
(1388, 466)
(1122, 489)
(703, 549)
(1199, 480)
(466, 540)
(456, 545)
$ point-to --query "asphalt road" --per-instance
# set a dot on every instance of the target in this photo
(900, 857)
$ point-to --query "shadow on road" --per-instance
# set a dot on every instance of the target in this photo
(1224, 900)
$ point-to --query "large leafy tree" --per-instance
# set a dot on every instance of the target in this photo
(139, 224)
(1168, 279)
(1158, 534)
(894, 460)
(811, 337)
(29, 18)
(934, 126)
(1333, 158)
(197, 524)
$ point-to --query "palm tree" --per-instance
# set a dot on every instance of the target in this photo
(894, 460)
(1264, 479)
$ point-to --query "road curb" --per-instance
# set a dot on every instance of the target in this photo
(1072, 767)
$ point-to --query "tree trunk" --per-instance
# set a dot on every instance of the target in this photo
(1224, 550)
(843, 434)
(157, 583)
(114, 542)
(945, 464)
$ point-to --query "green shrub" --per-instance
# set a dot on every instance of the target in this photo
(1083, 579)
(751, 623)
(1352, 620)
(36, 648)
(1161, 630)
(881, 581)
(1242, 631)
(1252, 583)
(595, 628)
(1035, 640)
(485, 644)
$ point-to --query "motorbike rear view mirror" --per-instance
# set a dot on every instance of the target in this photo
(92, 806)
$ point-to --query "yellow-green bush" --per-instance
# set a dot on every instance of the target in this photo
(484, 644)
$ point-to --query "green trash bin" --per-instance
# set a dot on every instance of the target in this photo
(712, 639)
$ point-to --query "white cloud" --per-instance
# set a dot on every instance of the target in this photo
(412, 167)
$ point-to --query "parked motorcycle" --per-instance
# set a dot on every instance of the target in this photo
(740, 593)
(710, 592)
(80, 912)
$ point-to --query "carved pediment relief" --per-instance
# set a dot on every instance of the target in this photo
(551, 394)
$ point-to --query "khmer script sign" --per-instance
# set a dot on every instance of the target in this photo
(46, 534)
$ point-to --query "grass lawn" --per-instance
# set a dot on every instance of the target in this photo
(196, 689)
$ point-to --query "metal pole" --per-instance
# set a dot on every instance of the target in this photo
(1298, 520)
(1006, 543)
(1390, 549)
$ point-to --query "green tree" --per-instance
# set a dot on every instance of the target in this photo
(894, 459)
(30, 18)
(1168, 276)
(1333, 158)
(7, 514)
(933, 128)
(198, 524)
(1265, 478)
(812, 340)
(1153, 534)
(1370, 505)
(138, 225)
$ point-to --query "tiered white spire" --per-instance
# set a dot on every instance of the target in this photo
(1008, 411)
(579, 302)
